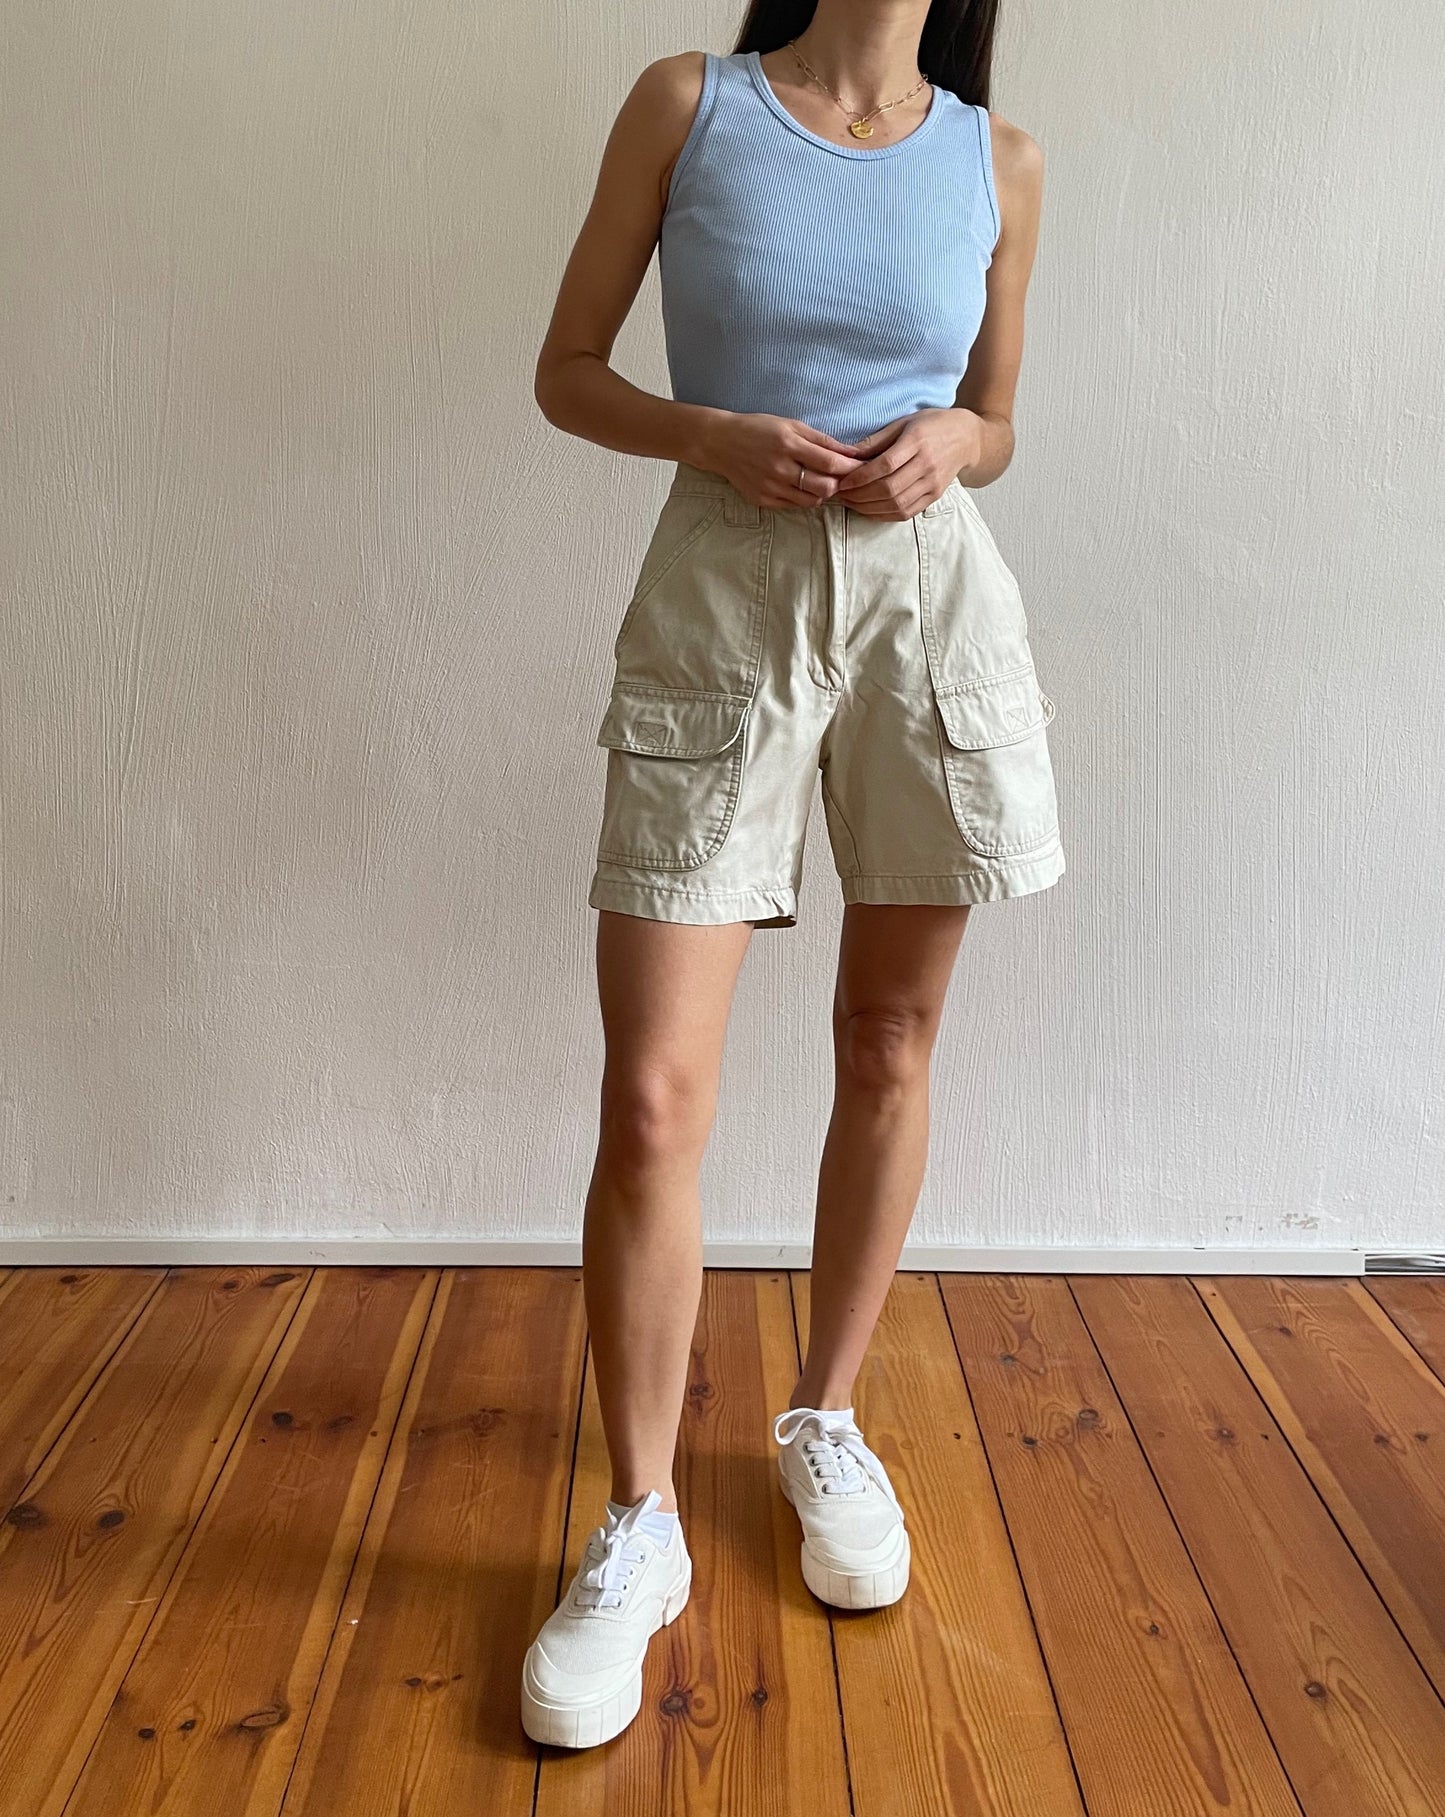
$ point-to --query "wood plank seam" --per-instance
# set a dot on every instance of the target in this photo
(1353, 1714)
(103, 1368)
(238, 1438)
(402, 1400)
(260, 1381)
(1188, 1551)
(66, 1774)
(355, 1331)
(1008, 1534)
(1310, 1475)
(1158, 1715)
(122, 1338)
(1437, 1369)
(454, 1571)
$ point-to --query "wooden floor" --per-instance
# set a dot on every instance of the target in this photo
(276, 1541)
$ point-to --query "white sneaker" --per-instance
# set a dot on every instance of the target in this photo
(582, 1677)
(855, 1546)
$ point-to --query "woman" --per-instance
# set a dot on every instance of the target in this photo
(844, 245)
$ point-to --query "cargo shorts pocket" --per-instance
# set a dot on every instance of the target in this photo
(694, 623)
(681, 522)
(674, 771)
(996, 759)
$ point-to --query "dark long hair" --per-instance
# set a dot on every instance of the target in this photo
(954, 52)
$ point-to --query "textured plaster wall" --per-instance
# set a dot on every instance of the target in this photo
(307, 614)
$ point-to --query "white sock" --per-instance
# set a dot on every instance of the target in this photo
(660, 1524)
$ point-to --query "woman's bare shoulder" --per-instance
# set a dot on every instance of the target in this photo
(1017, 156)
(655, 119)
(668, 90)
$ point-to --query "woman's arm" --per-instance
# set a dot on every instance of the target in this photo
(992, 377)
(575, 387)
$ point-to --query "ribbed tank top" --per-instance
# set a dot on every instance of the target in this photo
(840, 285)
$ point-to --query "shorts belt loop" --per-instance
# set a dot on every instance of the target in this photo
(742, 511)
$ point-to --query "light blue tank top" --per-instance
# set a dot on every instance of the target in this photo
(840, 285)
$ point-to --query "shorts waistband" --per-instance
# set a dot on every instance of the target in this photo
(688, 481)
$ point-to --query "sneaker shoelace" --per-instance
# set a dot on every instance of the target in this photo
(612, 1551)
(835, 1450)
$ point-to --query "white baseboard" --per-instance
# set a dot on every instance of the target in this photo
(482, 1252)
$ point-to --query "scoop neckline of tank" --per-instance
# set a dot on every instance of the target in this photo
(769, 95)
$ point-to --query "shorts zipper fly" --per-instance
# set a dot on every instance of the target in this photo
(832, 656)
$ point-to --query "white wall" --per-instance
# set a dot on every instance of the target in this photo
(308, 615)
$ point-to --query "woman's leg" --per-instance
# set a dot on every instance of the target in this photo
(893, 971)
(665, 992)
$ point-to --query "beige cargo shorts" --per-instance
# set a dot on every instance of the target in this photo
(760, 647)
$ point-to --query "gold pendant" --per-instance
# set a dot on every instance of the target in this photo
(861, 129)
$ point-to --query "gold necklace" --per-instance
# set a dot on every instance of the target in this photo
(858, 124)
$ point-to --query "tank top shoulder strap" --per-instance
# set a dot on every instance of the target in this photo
(985, 157)
(712, 78)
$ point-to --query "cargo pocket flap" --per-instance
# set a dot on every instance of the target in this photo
(994, 710)
(672, 722)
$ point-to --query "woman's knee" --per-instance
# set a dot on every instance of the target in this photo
(653, 1116)
(885, 1049)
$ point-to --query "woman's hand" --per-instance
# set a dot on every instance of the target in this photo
(762, 456)
(912, 461)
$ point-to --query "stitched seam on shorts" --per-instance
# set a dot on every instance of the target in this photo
(641, 592)
(668, 693)
(1021, 851)
(986, 681)
(717, 834)
(740, 511)
(842, 819)
(666, 889)
(933, 876)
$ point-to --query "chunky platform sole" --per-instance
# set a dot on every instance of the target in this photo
(874, 1589)
(588, 1725)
